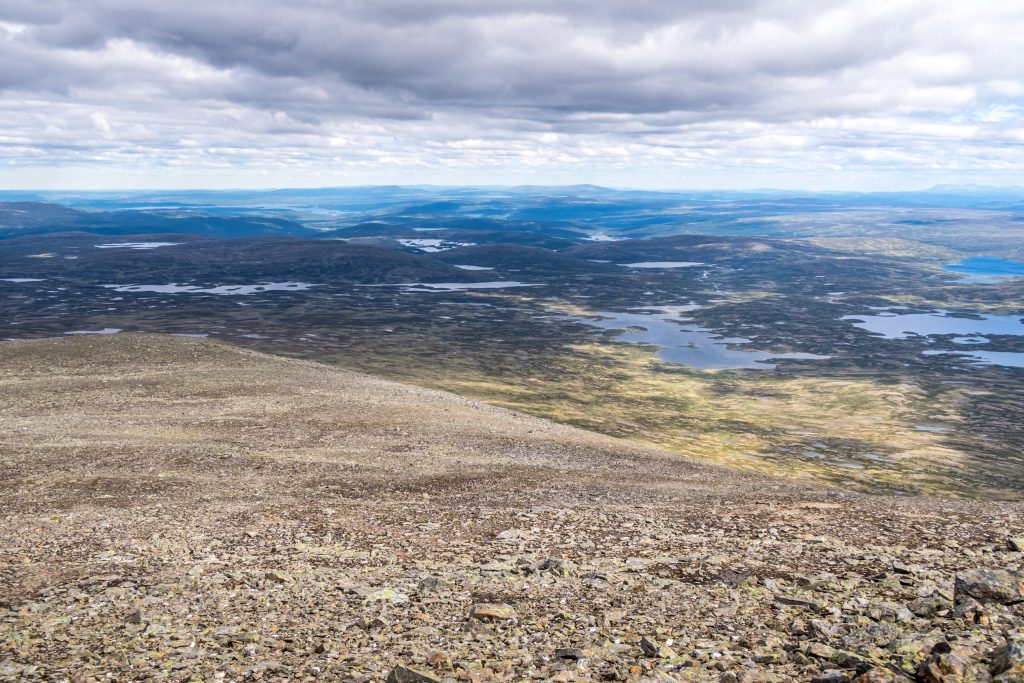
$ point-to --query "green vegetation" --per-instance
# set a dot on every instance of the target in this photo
(861, 431)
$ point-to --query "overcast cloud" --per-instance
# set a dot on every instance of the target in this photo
(813, 93)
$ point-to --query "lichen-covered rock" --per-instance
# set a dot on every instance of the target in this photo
(1008, 661)
(989, 586)
(953, 666)
(487, 611)
(928, 606)
(388, 595)
(914, 649)
(405, 674)
(554, 566)
(819, 650)
(832, 676)
(880, 675)
(652, 648)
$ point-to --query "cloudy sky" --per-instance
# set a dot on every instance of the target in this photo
(817, 94)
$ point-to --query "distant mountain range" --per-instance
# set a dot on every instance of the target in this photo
(549, 217)
(19, 219)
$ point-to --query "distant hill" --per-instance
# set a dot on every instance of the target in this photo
(481, 227)
(27, 217)
(33, 218)
(226, 260)
(524, 258)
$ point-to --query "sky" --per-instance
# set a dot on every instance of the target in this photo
(796, 94)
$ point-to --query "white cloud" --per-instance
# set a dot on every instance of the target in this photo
(654, 92)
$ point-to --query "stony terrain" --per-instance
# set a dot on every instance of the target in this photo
(175, 509)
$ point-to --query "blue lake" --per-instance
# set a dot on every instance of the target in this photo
(682, 341)
(662, 264)
(222, 290)
(1010, 359)
(987, 269)
(894, 325)
(891, 324)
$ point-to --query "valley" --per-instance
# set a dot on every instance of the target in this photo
(869, 363)
(511, 342)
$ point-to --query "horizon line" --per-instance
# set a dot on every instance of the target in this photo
(952, 187)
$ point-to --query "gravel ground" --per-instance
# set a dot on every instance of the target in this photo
(175, 509)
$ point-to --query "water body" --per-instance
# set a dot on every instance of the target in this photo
(223, 290)
(456, 286)
(987, 269)
(1009, 359)
(892, 325)
(662, 264)
(682, 341)
(431, 246)
(105, 330)
(137, 245)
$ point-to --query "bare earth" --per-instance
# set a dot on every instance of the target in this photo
(176, 509)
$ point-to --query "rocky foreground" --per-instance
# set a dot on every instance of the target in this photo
(174, 509)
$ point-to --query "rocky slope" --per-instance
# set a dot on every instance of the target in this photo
(174, 509)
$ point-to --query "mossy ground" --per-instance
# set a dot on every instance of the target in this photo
(854, 432)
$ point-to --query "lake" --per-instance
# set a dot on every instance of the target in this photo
(987, 269)
(1009, 359)
(894, 325)
(137, 246)
(662, 264)
(434, 287)
(222, 290)
(972, 330)
(684, 342)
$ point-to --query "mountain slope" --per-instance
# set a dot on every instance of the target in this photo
(176, 508)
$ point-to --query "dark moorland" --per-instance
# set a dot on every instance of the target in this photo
(827, 337)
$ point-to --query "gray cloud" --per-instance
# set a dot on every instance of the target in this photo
(550, 86)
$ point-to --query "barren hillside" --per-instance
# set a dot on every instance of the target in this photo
(176, 509)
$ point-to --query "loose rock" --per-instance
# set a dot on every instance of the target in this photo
(988, 586)
(404, 674)
(492, 612)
